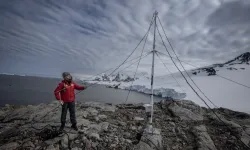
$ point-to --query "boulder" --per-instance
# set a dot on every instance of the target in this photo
(10, 146)
(95, 136)
(66, 138)
(142, 146)
(203, 139)
(245, 138)
(152, 137)
(184, 113)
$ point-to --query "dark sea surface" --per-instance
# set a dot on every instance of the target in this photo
(25, 90)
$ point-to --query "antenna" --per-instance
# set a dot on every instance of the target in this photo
(152, 75)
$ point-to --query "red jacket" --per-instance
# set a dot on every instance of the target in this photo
(65, 91)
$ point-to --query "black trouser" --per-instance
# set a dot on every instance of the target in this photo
(71, 107)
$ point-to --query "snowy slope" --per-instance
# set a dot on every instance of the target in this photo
(221, 91)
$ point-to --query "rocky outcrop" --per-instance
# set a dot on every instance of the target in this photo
(178, 125)
(210, 71)
(115, 77)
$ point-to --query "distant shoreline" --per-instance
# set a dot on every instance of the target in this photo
(6, 74)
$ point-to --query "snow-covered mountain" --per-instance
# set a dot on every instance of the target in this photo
(238, 63)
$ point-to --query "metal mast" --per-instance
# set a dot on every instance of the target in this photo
(152, 72)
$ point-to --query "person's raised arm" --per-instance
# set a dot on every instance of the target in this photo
(78, 87)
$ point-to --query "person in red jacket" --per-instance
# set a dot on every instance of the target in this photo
(66, 95)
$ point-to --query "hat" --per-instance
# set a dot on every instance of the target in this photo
(64, 74)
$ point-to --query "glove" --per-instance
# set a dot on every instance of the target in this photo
(61, 102)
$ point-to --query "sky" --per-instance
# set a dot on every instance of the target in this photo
(86, 37)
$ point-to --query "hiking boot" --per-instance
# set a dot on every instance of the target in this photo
(74, 126)
(61, 128)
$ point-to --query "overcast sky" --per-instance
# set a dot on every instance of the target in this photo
(46, 37)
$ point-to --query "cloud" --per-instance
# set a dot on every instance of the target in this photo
(87, 37)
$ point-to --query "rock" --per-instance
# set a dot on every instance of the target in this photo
(184, 114)
(94, 145)
(142, 146)
(140, 128)
(64, 141)
(28, 144)
(95, 136)
(92, 111)
(127, 135)
(76, 148)
(102, 117)
(38, 148)
(120, 123)
(128, 141)
(10, 146)
(204, 140)
(172, 124)
(122, 140)
(52, 141)
(66, 138)
(77, 141)
(7, 105)
(231, 123)
(88, 144)
(114, 126)
(133, 128)
(190, 105)
(82, 122)
(245, 138)
(85, 114)
(152, 137)
(109, 108)
(94, 128)
(138, 118)
(50, 147)
(84, 138)
(101, 106)
(72, 136)
(36, 141)
(181, 123)
(97, 119)
(116, 139)
(104, 126)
